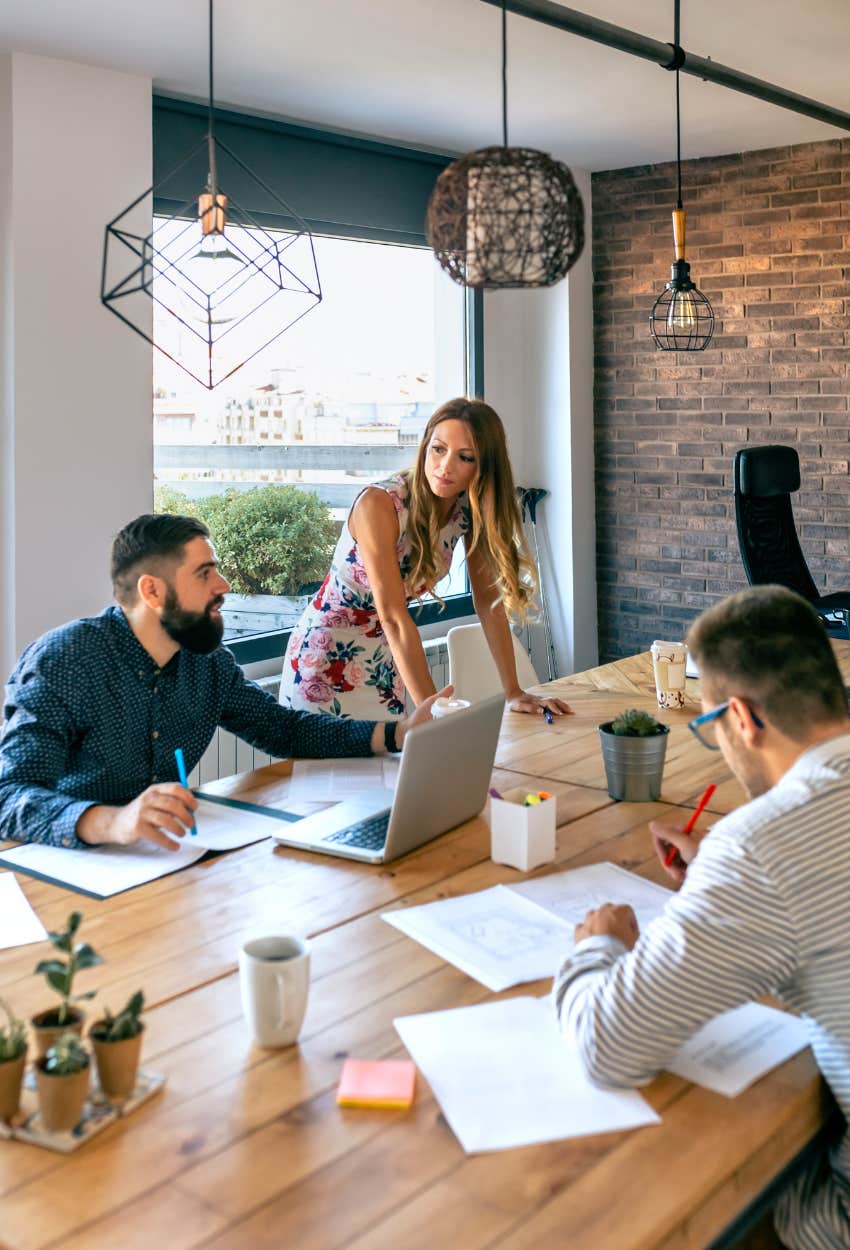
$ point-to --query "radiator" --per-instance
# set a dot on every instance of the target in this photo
(227, 754)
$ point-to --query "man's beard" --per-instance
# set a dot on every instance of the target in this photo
(199, 632)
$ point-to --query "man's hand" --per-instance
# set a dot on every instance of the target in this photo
(161, 810)
(667, 838)
(611, 920)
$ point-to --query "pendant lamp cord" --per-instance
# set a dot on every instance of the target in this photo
(504, 75)
(678, 123)
(213, 180)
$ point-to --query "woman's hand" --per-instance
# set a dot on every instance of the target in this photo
(521, 701)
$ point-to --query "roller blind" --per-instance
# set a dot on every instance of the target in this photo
(351, 187)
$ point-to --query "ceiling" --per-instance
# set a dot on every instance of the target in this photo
(427, 72)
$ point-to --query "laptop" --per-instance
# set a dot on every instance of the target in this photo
(443, 780)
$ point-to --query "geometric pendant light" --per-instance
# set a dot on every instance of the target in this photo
(504, 217)
(681, 319)
(211, 267)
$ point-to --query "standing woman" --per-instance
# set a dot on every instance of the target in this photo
(357, 649)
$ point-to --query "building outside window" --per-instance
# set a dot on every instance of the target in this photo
(274, 457)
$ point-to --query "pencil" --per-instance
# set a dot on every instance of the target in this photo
(700, 807)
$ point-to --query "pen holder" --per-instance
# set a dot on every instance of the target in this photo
(520, 836)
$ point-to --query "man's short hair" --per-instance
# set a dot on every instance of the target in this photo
(153, 543)
(768, 645)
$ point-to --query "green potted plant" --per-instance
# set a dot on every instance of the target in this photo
(13, 1058)
(633, 749)
(62, 1078)
(117, 1042)
(60, 973)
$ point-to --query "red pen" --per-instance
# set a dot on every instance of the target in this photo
(700, 807)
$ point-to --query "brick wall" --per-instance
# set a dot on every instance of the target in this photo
(767, 239)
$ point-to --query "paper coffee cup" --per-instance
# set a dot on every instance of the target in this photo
(668, 665)
(445, 707)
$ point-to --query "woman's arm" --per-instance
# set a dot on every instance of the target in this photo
(497, 631)
(374, 526)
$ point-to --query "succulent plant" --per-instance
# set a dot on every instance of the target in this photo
(13, 1036)
(125, 1025)
(635, 724)
(60, 973)
(66, 1056)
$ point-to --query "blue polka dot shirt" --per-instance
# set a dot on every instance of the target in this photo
(90, 718)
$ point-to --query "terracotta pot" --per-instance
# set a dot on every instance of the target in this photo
(11, 1076)
(61, 1098)
(117, 1064)
(46, 1030)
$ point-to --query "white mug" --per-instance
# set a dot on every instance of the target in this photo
(274, 977)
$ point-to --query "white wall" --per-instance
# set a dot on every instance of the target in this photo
(538, 365)
(76, 456)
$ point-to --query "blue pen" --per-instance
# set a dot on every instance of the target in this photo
(184, 780)
(549, 717)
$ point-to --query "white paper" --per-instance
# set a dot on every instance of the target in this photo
(101, 870)
(221, 826)
(322, 781)
(736, 1048)
(504, 1077)
(19, 925)
(572, 894)
(496, 936)
(507, 935)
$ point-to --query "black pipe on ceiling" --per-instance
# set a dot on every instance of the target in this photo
(663, 54)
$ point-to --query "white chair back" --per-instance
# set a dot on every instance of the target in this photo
(472, 669)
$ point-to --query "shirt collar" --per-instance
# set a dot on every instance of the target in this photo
(814, 757)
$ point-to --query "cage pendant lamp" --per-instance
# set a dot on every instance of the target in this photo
(209, 286)
(505, 216)
(681, 319)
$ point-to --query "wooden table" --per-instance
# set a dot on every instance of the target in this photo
(247, 1150)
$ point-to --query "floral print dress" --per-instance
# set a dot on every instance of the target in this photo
(338, 659)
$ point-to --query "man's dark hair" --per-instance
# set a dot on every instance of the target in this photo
(153, 543)
(768, 645)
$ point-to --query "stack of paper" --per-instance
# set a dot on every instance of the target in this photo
(19, 925)
(504, 1077)
(101, 871)
(507, 935)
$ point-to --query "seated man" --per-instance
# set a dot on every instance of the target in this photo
(763, 904)
(95, 709)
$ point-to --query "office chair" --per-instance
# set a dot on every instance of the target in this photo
(765, 479)
(472, 669)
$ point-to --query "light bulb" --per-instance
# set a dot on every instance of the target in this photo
(682, 313)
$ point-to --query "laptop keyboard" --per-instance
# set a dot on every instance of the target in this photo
(369, 834)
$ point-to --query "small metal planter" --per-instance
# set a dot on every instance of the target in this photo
(633, 766)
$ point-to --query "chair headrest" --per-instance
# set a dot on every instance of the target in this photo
(765, 471)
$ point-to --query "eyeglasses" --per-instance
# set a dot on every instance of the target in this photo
(704, 728)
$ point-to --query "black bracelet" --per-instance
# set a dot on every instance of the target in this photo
(389, 736)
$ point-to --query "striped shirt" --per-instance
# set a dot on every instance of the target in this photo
(765, 908)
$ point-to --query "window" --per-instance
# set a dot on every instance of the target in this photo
(339, 401)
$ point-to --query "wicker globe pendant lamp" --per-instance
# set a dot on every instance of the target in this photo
(503, 217)
(681, 319)
(210, 267)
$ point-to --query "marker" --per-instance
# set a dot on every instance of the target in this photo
(184, 780)
(674, 851)
(549, 717)
(494, 793)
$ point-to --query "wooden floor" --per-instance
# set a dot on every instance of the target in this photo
(247, 1150)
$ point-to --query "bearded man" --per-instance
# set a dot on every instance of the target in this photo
(95, 709)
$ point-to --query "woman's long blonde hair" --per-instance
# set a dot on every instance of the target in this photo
(495, 529)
